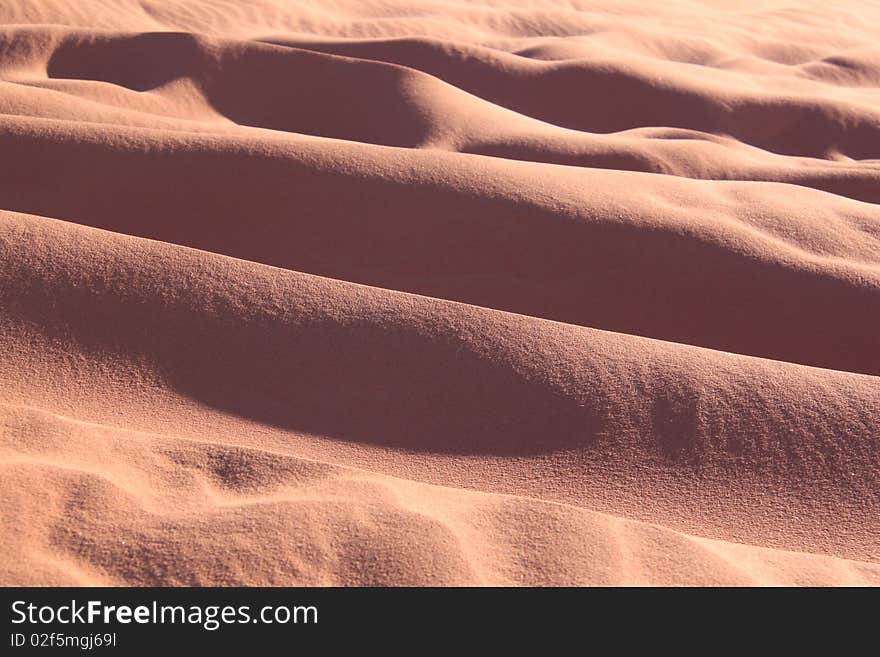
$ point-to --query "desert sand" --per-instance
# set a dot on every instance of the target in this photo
(505, 292)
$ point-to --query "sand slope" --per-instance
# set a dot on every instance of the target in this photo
(352, 293)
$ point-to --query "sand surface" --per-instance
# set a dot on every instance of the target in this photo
(482, 293)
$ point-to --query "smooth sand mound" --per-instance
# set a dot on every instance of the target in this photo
(417, 293)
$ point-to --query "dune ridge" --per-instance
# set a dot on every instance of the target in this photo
(188, 494)
(381, 293)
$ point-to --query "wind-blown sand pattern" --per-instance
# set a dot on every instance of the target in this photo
(470, 293)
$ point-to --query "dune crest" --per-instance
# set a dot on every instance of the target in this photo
(388, 293)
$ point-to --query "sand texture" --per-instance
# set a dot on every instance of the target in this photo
(510, 292)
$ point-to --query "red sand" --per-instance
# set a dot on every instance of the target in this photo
(439, 293)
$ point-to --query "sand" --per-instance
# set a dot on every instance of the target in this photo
(439, 293)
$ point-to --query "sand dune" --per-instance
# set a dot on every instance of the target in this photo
(353, 293)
